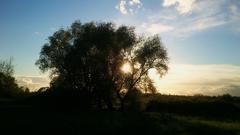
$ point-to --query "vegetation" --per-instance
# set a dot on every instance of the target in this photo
(100, 84)
(8, 86)
(44, 121)
(86, 60)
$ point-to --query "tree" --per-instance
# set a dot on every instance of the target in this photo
(147, 54)
(87, 58)
(8, 85)
(6, 67)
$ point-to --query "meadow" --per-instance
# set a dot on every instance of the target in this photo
(162, 114)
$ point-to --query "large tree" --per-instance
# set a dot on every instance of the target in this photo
(88, 58)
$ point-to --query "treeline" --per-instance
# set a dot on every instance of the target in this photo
(220, 107)
(9, 89)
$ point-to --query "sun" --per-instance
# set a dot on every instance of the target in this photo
(126, 68)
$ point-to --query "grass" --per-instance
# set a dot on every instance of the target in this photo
(186, 125)
(170, 115)
(31, 121)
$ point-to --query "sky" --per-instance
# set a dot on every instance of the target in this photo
(202, 37)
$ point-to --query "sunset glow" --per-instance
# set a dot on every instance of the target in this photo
(199, 42)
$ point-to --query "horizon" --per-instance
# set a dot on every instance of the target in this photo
(203, 45)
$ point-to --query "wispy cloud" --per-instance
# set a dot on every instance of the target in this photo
(198, 24)
(156, 28)
(192, 15)
(184, 18)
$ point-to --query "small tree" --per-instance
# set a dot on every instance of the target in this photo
(6, 67)
(8, 85)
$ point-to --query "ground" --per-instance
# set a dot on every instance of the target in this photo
(25, 120)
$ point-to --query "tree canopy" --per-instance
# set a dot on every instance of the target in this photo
(8, 85)
(87, 58)
(6, 67)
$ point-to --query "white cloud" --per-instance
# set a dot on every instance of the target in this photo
(190, 26)
(204, 15)
(131, 6)
(192, 16)
(182, 6)
(122, 7)
(156, 28)
(200, 79)
(33, 82)
(133, 2)
(183, 28)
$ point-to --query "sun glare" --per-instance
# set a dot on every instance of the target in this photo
(153, 74)
(126, 68)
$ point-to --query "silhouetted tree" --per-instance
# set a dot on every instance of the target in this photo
(87, 58)
(6, 67)
(8, 85)
(145, 55)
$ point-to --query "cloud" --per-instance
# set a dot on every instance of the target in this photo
(178, 28)
(183, 18)
(135, 2)
(38, 33)
(182, 6)
(198, 24)
(129, 6)
(206, 15)
(156, 28)
(33, 82)
(122, 7)
(200, 79)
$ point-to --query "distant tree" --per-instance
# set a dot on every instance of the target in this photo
(8, 85)
(87, 58)
(6, 67)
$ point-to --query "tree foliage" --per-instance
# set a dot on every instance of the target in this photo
(8, 85)
(6, 67)
(87, 58)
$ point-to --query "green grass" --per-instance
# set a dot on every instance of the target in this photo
(185, 125)
(227, 125)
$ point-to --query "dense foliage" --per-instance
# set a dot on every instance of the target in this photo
(86, 59)
(8, 85)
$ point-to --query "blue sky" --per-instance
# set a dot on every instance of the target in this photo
(199, 34)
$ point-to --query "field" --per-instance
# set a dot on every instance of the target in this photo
(25, 119)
